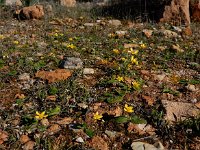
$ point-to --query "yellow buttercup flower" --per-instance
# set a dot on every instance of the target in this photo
(56, 34)
(123, 59)
(41, 115)
(16, 42)
(1, 37)
(133, 52)
(134, 60)
(116, 51)
(136, 85)
(119, 78)
(143, 46)
(128, 109)
(72, 46)
(97, 116)
(70, 39)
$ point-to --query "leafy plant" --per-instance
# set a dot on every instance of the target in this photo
(54, 111)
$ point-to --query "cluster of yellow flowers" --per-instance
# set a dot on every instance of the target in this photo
(72, 46)
(128, 109)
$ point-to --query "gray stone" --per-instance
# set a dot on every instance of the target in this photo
(24, 77)
(146, 146)
(13, 2)
(80, 140)
(87, 71)
(115, 22)
(111, 134)
(169, 33)
(121, 33)
(72, 63)
(89, 24)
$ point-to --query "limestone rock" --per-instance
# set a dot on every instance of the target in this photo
(174, 12)
(68, 3)
(115, 22)
(13, 2)
(31, 12)
(179, 110)
(146, 146)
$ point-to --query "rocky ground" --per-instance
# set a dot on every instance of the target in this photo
(79, 81)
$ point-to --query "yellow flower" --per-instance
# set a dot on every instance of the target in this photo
(123, 59)
(1, 37)
(134, 60)
(61, 34)
(133, 52)
(56, 34)
(116, 51)
(16, 42)
(136, 85)
(142, 45)
(97, 116)
(41, 115)
(70, 39)
(128, 109)
(119, 78)
(111, 35)
(129, 66)
(71, 46)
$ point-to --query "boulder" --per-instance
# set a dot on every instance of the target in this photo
(178, 12)
(31, 12)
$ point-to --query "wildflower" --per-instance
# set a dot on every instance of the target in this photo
(134, 60)
(41, 115)
(97, 116)
(128, 109)
(129, 66)
(1, 37)
(123, 59)
(70, 39)
(116, 51)
(136, 85)
(119, 78)
(16, 42)
(111, 35)
(71, 46)
(61, 34)
(133, 52)
(56, 34)
(143, 46)
(104, 61)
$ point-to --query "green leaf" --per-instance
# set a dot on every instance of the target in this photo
(1, 63)
(54, 111)
(115, 99)
(122, 119)
(194, 81)
(137, 120)
(39, 65)
(53, 90)
(89, 132)
(12, 73)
